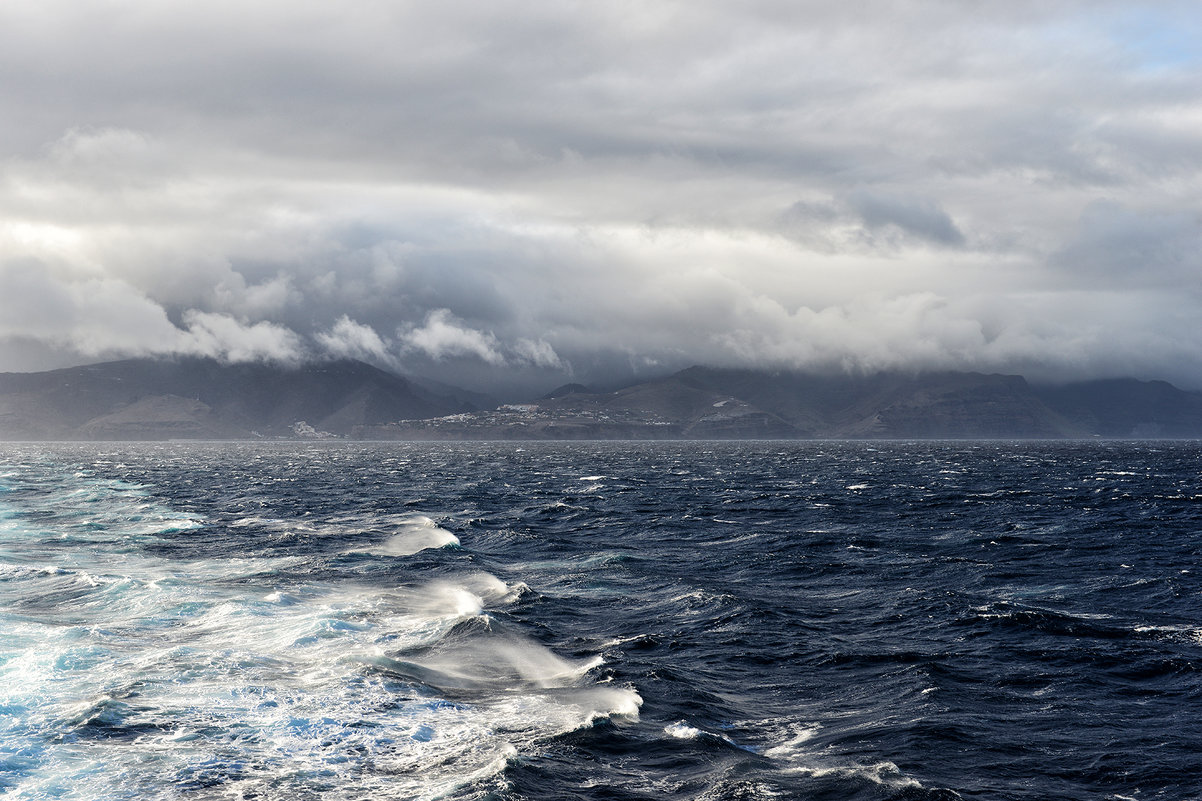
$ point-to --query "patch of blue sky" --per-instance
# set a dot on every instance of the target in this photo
(1161, 36)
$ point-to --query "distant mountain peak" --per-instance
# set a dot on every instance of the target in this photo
(567, 389)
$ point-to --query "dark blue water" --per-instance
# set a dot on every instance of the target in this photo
(601, 621)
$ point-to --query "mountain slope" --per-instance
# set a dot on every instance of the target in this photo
(1128, 408)
(202, 398)
(732, 402)
(692, 411)
(944, 404)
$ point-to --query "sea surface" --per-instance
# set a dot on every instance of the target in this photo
(763, 620)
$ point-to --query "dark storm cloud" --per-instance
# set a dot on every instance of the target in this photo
(575, 188)
(914, 216)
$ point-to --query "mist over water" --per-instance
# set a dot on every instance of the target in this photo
(617, 620)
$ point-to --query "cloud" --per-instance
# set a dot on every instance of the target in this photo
(1134, 247)
(351, 340)
(223, 337)
(538, 353)
(93, 316)
(441, 337)
(107, 317)
(526, 189)
(914, 216)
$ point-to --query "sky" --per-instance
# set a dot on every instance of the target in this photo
(520, 194)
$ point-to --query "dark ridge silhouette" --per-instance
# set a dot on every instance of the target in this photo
(203, 398)
(567, 389)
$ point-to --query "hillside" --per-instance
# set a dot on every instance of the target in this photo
(710, 403)
(202, 398)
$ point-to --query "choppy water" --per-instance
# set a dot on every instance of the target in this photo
(601, 621)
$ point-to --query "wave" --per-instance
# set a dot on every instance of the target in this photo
(411, 535)
(125, 674)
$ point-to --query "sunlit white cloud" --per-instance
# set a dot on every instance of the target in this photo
(224, 337)
(348, 339)
(108, 317)
(442, 337)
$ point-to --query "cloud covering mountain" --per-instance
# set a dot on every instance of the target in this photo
(577, 189)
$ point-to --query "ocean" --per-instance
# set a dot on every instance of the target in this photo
(741, 620)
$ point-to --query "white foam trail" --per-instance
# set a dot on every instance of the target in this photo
(139, 677)
(801, 760)
(886, 774)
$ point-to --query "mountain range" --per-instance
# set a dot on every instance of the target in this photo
(142, 399)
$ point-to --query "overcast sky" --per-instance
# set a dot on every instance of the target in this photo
(576, 191)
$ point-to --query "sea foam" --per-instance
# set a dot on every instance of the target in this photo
(197, 675)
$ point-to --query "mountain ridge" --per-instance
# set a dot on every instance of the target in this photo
(193, 398)
(228, 401)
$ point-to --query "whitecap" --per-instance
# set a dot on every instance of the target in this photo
(190, 661)
(490, 589)
(792, 747)
(682, 731)
(443, 599)
(500, 663)
(413, 535)
(886, 774)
